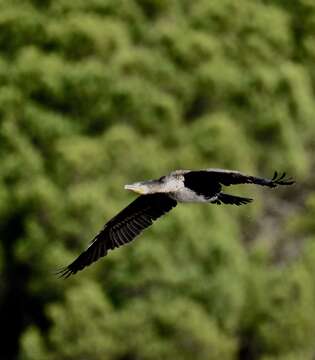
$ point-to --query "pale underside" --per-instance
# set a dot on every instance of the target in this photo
(186, 195)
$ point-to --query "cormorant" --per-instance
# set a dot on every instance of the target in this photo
(157, 197)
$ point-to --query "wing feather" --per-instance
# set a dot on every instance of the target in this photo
(232, 177)
(121, 229)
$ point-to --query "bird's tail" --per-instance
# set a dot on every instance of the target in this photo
(231, 199)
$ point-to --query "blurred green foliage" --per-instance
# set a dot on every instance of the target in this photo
(95, 94)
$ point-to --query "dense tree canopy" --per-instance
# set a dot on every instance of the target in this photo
(95, 94)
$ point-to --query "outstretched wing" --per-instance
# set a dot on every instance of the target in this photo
(231, 177)
(208, 182)
(123, 228)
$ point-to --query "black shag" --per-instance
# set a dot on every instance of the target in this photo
(157, 197)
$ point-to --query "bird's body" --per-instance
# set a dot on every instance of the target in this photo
(157, 197)
(186, 195)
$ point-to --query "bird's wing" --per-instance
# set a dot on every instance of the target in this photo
(123, 228)
(231, 177)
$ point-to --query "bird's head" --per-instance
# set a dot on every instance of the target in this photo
(147, 187)
(164, 184)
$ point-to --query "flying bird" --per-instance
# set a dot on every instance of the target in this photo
(157, 197)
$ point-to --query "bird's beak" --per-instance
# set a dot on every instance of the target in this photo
(137, 188)
(145, 187)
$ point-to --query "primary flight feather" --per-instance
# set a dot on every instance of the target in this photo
(158, 197)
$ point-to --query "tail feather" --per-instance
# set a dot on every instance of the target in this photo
(231, 200)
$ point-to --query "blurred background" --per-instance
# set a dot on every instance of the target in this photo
(99, 93)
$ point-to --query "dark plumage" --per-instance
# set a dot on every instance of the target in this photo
(160, 196)
(123, 228)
